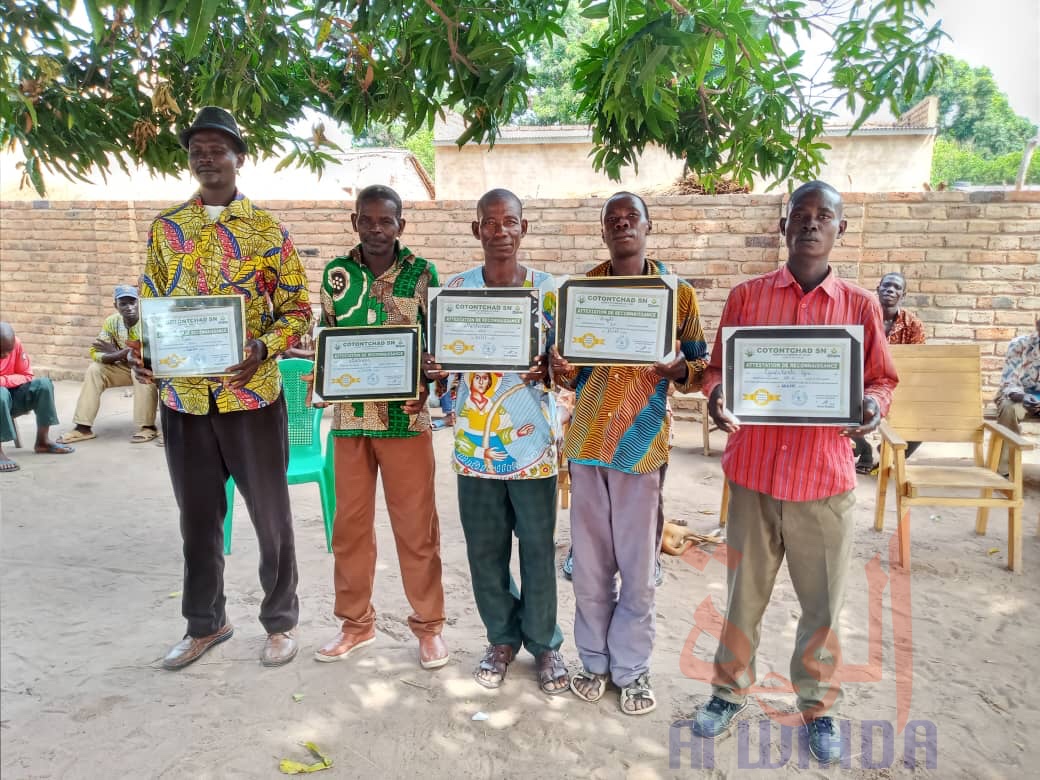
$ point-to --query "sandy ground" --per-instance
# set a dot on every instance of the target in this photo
(91, 574)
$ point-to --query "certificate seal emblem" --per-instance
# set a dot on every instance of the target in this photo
(799, 397)
(488, 349)
(373, 379)
(621, 342)
(761, 397)
(344, 380)
(587, 340)
(459, 347)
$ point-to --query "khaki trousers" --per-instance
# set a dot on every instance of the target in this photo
(1010, 415)
(407, 467)
(816, 537)
(99, 378)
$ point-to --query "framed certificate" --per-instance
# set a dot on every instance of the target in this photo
(794, 375)
(492, 329)
(376, 363)
(617, 320)
(192, 335)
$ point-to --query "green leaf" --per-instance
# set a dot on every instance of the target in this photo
(596, 10)
(323, 33)
(288, 160)
(200, 22)
(98, 25)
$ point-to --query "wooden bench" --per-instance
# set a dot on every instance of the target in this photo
(939, 399)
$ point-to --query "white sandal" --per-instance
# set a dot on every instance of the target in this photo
(638, 690)
(587, 676)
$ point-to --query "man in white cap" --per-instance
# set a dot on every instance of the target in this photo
(110, 367)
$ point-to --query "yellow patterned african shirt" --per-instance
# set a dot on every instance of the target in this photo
(245, 252)
(115, 332)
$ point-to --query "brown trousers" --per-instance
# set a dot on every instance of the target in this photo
(816, 539)
(407, 467)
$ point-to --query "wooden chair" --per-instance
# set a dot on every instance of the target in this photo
(700, 403)
(939, 399)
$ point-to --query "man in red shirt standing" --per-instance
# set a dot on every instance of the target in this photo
(21, 393)
(792, 486)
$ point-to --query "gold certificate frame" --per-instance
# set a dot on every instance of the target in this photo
(794, 375)
(192, 335)
(617, 320)
(486, 329)
(369, 363)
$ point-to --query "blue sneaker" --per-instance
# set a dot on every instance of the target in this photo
(715, 717)
(568, 564)
(824, 740)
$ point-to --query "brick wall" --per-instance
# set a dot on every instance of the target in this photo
(972, 261)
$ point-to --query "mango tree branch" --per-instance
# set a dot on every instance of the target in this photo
(452, 26)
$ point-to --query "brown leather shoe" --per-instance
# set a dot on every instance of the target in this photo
(191, 649)
(279, 649)
(433, 653)
(343, 644)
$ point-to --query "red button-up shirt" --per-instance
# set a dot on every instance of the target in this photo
(801, 462)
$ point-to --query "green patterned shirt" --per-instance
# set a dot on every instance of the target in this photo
(351, 296)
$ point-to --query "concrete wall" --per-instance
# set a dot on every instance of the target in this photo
(876, 163)
(861, 163)
(972, 260)
(353, 170)
(549, 170)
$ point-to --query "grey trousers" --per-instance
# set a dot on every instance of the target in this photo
(615, 521)
(816, 537)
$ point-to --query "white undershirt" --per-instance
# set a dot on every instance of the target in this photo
(213, 211)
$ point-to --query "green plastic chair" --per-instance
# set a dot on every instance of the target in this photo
(307, 461)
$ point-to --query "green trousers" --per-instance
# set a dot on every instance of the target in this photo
(492, 510)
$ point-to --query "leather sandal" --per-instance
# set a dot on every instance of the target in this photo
(552, 669)
(496, 660)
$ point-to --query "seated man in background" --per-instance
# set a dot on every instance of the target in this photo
(1019, 392)
(110, 369)
(21, 393)
(901, 327)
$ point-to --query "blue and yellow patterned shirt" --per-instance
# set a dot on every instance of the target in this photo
(505, 428)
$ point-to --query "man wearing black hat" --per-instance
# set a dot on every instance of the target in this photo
(110, 367)
(219, 243)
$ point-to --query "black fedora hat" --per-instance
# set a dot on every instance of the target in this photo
(214, 118)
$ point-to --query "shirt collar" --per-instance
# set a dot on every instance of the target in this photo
(652, 268)
(829, 284)
(240, 206)
(402, 255)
